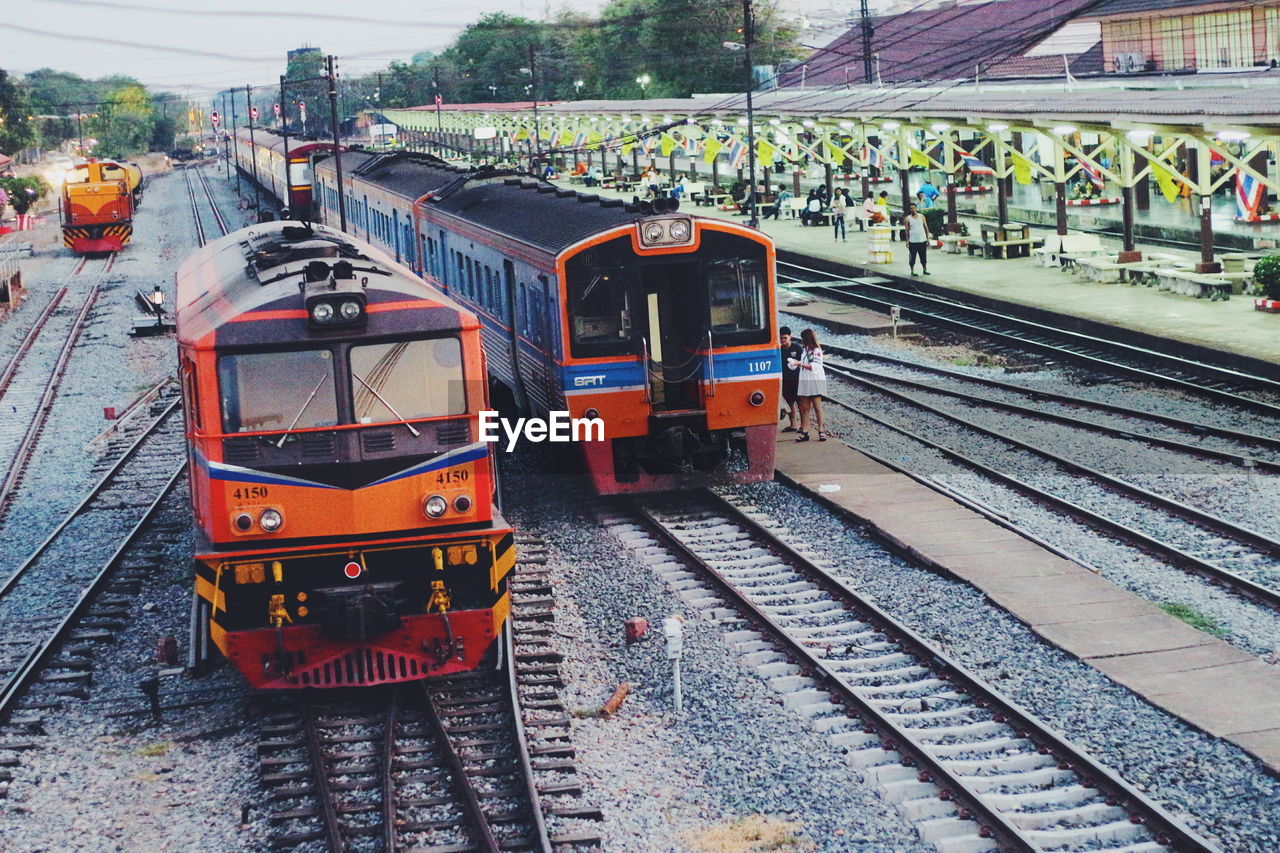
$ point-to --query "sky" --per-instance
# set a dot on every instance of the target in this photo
(197, 47)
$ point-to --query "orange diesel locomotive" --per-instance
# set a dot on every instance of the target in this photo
(345, 521)
(97, 207)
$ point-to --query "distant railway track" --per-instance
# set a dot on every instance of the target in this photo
(1221, 384)
(29, 385)
(1227, 553)
(219, 223)
(969, 764)
(43, 598)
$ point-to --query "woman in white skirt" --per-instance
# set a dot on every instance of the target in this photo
(813, 385)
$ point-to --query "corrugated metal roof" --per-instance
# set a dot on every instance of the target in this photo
(1127, 8)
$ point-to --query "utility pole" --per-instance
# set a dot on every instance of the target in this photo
(253, 147)
(867, 30)
(337, 143)
(748, 35)
(533, 90)
(288, 161)
(234, 139)
(435, 79)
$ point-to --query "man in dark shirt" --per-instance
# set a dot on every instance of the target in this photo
(791, 353)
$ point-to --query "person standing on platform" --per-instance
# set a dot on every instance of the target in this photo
(792, 352)
(812, 386)
(917, 237)
(922, 201)
(839, 207)
(930, 193)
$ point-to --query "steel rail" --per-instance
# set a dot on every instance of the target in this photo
(320, 776)
(1013, 325)
(1231, 580)
(1257, 539)
(213, 205)
(390, 841)
(40, 417)
(1197, 427)
(195, 208)
(17, 683)
(1166, 828)
(93, 493)
(543, 838)
(11, 368)
(470, 801)
(854, 373)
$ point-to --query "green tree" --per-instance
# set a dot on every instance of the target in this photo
(15, 130)
(491, 53)
(303, 85)
(124, 121)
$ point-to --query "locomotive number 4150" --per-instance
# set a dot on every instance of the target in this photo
(460, 475)
(250, 493)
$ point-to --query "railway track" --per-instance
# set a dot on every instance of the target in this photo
(28, 385)
(1239, 558)
(219, 223)
(970, 768)
(1116, 358)
(477, 762)
(44, 600)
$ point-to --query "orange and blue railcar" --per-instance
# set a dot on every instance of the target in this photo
(346, 527)
(96, 206)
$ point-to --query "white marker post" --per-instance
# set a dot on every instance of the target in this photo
(673, 629)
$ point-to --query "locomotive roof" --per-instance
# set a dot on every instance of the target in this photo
(526, 210)
(272, 140)
(260, 270)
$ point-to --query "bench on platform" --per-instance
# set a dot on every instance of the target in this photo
(1065, 249)
(1005, 249)
(1190, 283)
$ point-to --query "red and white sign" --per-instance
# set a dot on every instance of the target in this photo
(1084, 202)
(214, 118)
(276, 108)
(439, 100)
(1262, 217)
(1271, 306)
(253, 112)
(302, 110)
(353, 570)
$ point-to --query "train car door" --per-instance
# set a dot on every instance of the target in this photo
(550, 332)
(510, 289)
(673, 333)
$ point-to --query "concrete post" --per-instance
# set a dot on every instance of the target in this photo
(1200, 155)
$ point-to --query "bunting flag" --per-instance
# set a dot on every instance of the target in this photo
(832, 152)
(1021, 169)
(737, 153)
(710, 149)
(1168, 184)
(916, 157)
(522, 133)
(692, 147)
(1093, 173)
(1249, 194)
(666, 145)
(580, 140)
(626, 148)
(646, 144)
(765, 151)
(1216, 159)
(975, 165)
(872, 157)
(565, 138)
(594, 139)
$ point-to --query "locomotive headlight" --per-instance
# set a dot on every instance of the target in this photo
(243, 522)
(350, 310)
(653, 232)
(757, 398)
(271, 520)
(679, 230)
(435, 506)
(322, 312)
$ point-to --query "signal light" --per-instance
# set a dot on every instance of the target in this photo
(757, 398)
(462, 504)
(243, 522)
(353, 570)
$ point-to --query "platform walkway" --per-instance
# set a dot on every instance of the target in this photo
(1192, 675)
(1232, 326)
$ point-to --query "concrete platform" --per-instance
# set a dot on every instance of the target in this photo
(1188, 673)
(846, 319)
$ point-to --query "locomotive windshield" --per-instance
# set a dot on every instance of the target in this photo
(301, 389)
(407, 379)
(277, 390)
(600, 306)
(736, 297)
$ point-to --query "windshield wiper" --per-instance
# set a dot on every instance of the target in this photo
(307, 402)
(385, 403)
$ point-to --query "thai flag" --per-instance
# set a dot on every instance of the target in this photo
(1215, 159)
(975, 165)
(1094, 174)
(580, 139)
(1249, 193)
(737, 154)
(873, 157)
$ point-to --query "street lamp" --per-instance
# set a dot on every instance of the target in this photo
(494, 90)
(577, 88)
(643, 80)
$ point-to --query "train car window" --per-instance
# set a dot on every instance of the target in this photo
(189, 387)
(407, 379)
(736, 297)
(600, 304)
(300, 174)
(277, 390)
(522, 309)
